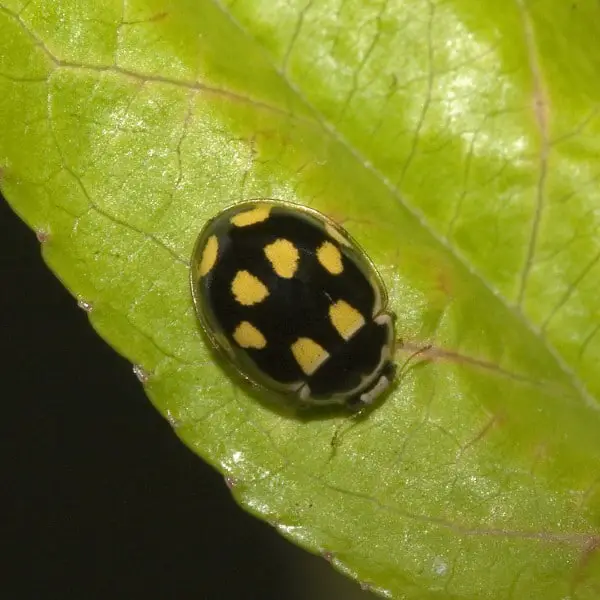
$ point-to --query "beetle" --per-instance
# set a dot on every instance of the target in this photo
(294, 304)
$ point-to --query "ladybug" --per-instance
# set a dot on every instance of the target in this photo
(292, 301)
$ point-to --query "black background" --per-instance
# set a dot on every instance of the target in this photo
(101, 499)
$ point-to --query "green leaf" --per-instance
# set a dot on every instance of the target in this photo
(458, 142)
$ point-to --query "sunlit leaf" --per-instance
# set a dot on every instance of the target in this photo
(458, 142)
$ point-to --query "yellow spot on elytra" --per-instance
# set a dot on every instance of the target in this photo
(247, 336)
(252, 216)
(330, 257)
(248, 289)
(283, 256)
(209, 255)
(346, 319)
(308, 354)
(336, 234)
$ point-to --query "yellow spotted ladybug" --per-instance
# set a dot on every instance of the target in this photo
(294, 303)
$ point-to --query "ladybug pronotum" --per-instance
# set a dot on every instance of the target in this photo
(294, 303)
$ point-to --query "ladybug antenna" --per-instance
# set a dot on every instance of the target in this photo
(410, 359)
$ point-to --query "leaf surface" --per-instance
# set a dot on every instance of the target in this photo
(458, 143)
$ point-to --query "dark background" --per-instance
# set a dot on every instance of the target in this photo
(101, 500)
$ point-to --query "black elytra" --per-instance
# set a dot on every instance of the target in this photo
(294, 303)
